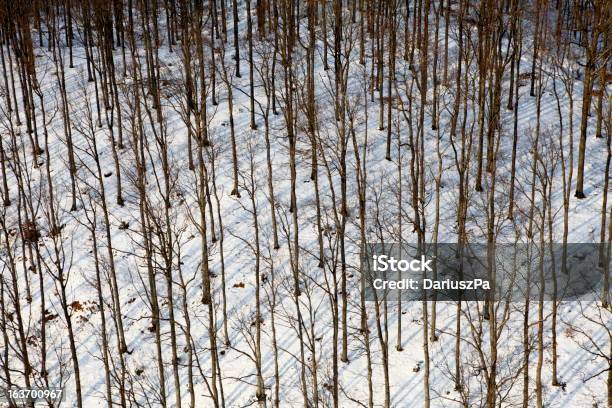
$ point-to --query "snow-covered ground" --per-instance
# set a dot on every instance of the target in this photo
(236, 362)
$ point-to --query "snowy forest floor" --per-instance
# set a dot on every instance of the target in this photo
(237, 367)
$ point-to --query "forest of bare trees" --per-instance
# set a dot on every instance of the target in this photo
(189, 186)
